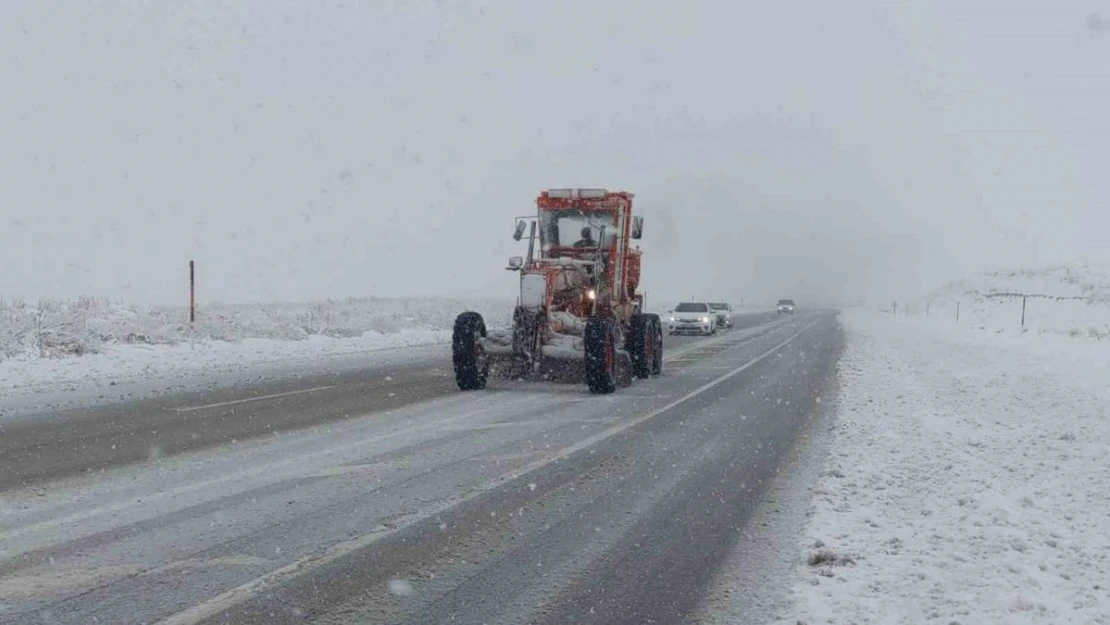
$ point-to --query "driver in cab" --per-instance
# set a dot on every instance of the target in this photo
(587, 239)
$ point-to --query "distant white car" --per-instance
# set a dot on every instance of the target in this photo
(724, 314)
(786, 306)
(692, 318)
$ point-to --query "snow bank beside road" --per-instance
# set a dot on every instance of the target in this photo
(87, 326)
(66, 347)
(967, 481)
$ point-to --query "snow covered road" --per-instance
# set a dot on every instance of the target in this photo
(526, 503)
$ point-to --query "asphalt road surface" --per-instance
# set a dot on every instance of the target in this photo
(387, 496)
(52, 445)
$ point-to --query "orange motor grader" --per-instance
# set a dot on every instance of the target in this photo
(578, 313)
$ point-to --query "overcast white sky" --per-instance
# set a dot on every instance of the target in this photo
(301, 150)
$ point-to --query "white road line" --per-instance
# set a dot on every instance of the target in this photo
(250, 399)
(245, 592)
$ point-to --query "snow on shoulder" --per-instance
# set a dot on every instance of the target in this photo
(967, 481)
(60, 353)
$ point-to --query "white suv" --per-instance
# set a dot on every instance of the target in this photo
(692, 317)
(786, 306)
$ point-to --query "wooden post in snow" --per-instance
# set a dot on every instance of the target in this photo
(192, 304)
(192, 292)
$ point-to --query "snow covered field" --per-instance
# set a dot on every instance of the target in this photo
(64, 347)
(1070, 300)
(967, 480)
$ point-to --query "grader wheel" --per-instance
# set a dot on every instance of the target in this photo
(601, 355)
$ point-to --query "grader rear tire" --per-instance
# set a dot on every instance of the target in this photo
(655, 361)
(641, 341)
(601, 355)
